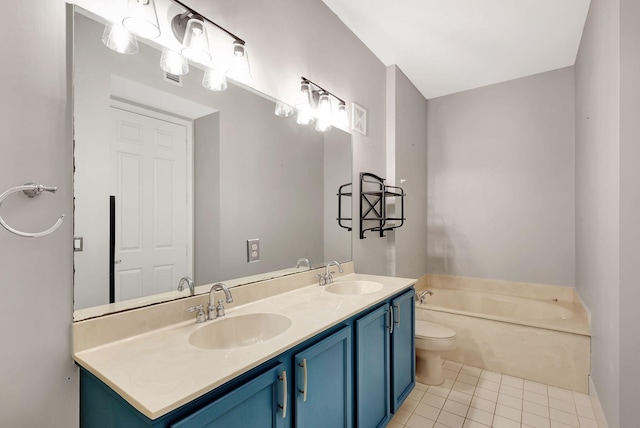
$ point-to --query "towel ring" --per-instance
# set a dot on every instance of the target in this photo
(32, 190)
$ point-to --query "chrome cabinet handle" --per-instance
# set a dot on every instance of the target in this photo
(390, 319)
(304, 382)
(397, 305)
(285, 394)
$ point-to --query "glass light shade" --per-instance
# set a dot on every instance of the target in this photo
(214, 80)
(119, 39)
(195, 45)
(283, 109)
(239, 69)
(141, 18)
(342, 118)
(303, 105)
(173, 62)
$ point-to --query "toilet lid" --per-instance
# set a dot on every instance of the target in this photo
(433, 331)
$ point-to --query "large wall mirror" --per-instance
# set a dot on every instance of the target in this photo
(172, 179)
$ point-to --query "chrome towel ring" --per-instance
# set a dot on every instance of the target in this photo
(32, 190)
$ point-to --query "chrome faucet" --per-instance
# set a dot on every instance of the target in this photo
(190, 284)
(421, 295)
(303, 261)
(327, 278)
(218, 311)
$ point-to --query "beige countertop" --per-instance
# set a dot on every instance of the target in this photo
(159, 371)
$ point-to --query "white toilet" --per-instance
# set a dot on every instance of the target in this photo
(431, 340)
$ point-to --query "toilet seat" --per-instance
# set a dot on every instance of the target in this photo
(431, 331)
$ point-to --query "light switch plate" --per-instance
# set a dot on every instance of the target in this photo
(253, 250)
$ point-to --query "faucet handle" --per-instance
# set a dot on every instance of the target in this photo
(200, 316)
(220, 308)
(322, 280)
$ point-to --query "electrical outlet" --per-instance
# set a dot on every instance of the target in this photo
(253, 250)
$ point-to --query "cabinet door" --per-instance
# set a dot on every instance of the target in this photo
(323, 382)
(256, 404)
(372, 368)
(403, 349)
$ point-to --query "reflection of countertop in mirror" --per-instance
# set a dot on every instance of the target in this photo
(159, 371)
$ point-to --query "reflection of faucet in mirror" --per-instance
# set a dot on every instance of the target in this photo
(218, 311)
(190, 284)
(327, 278)
(302, 261)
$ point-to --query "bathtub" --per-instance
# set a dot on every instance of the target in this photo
(544, 340)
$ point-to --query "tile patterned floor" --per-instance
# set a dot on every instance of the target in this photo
(474, 398)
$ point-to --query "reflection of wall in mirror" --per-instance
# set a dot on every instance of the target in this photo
(254, 176)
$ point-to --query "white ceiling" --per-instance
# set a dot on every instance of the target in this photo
(447, 46)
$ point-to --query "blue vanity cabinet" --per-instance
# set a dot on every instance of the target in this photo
(403, 348)
(323, 383)
(260, 403)
(385, 360)
(372, 368)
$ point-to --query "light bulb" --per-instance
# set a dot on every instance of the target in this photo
(141, 18)
(214, 80)
(305, 112)
(174, 63)
(240, 69)
(342, 118)
(119, 39)
(196, 44)
(324, 113)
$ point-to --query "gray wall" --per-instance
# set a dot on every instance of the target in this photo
(410, 138)
(629, 212)
(501, 181)
(38, 378)
(285, 44)
(597, 195)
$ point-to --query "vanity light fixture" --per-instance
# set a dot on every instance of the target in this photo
(214, 80)
(283, 109)
(190, 29)
(174, 62)
(119, 39)
(141, 18)
(315, 103)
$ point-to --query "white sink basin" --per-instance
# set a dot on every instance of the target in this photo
(238, 331)
(354, 287)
